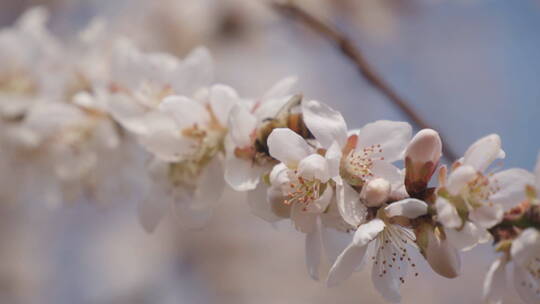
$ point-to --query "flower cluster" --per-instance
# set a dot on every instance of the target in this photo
(98, 121)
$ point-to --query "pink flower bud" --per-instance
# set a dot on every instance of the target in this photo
(421, 159)
(426, 146)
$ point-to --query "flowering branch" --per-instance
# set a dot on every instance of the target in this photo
(161, 124)
(347, 48)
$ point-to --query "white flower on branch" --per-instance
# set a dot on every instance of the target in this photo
(472, 200)
(524, 254)
(250, 124)
(111, 113)
(141, 83)
(302, 190)
(191, 193)
(29, 54)
(374, 148)
(302, 185)
(176, 114)
(189, 161)
(386, 242)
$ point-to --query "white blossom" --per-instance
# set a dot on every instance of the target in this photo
(247, 157)
(98, 119)
(472, 200)
(181, 119)
(376, 146)
(384, 241)
(302, 187)
(524, 254)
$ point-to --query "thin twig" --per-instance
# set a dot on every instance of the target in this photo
(347, 47)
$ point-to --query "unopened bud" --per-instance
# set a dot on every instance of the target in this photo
(443, 258)
(375, 192)
(421, 159)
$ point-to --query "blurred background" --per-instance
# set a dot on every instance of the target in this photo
(469, 67)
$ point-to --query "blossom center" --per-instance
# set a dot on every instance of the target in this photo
(479, 190)
(391, 256)
(302, 190)
(359, 164)
(17, 83)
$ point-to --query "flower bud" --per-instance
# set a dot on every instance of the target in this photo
(443, 258)
(375, 192)
(421, 159)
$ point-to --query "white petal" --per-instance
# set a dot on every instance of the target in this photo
(468, 237)
(279, 175)
(211, 184)
(152, 209)
(443, 258)
(287, 146)
(190, 213)
(241, 174)
(526, 285)
(281, 89)
(195, 210)
(367, 232)
(325, 123)
(346, 263)
(222, 99)
(85, 100)
(331, 218)
(495, 282)
(276, 202)
(319, 205)
(48, 119)
(186, 112)
(483, 152)
(410, 208)
(386, 284)
(459, 179)
(526, 246)
(275, 99)
(241, 125)
(260, 206)
(487, 216)
(333, 157)
(349, 205)
(33, 18)
(127, 112)
(106, 134)
(167, 144)
(393, 136)
(447, 213)
(510, 186)
(268, 109)
(195, 71)
(389, 172)
(334, 241)
(313, 253)
(303, 221)
(314, 167)
(158, 170)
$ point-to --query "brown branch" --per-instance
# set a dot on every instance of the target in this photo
(347, 47)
